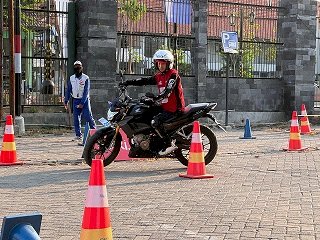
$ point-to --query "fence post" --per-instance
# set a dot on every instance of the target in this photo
(200, 33)
(71, 38)
(298, 31)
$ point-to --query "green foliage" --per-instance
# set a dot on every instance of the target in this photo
(135, 55)
(34, 109)
(271, 52)
(248, 51)
(26, 20)
(180, 59)
(30, 3)
(248, 56)
(133, 9)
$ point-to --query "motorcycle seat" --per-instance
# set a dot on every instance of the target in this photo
(195, 106)
(188, 110)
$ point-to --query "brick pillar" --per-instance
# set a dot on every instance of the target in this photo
(199, 31)
(297, 25)
(96, 48)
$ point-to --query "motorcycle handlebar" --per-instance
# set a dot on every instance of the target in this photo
(147, 100)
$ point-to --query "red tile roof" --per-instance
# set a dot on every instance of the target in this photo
(264, 27)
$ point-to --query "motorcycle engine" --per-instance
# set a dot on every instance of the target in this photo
(141, 140)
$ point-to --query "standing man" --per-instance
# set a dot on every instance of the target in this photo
(78, 88)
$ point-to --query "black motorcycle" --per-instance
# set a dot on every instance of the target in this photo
(134, 118)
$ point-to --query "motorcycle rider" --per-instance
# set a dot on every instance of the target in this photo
(170, 95)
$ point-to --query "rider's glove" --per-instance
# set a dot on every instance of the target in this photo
(147, 101)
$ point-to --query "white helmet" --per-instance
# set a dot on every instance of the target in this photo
(77, 63)
(165, 55)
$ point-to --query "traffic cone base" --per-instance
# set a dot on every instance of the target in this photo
(8, 154)
(247, 137)
(195, 171)
(10, 163)
(196, 164)
(297, 150)
(196, 177)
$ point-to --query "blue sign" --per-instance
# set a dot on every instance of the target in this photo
(229, 42)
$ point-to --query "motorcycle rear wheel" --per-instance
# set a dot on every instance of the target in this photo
(98, 146)
(209, 142)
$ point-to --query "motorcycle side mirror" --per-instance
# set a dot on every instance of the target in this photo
(149, 95)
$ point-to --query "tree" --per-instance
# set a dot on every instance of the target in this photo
(26, 20)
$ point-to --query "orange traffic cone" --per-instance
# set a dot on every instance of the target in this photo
(305, 126)
(96, 217)
(196, 165)
(8, 153)
(295, 139)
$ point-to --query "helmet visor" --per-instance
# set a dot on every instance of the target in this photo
(160, 61)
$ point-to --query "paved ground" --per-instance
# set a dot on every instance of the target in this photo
(259, 191)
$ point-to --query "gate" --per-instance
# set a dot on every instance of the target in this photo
(256, 23)
(44, 53)
(147, 25)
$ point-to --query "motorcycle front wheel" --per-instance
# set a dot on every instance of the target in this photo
(101, 146)
(209, 143)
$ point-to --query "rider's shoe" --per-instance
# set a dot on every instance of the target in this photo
(78, 140)
(169, 149)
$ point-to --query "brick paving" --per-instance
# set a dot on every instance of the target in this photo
(259, 191)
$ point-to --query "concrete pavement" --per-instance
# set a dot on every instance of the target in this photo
(259, 191)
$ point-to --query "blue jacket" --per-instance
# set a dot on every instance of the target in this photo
(78, 88)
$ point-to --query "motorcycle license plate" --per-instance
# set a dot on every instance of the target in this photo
(104, 122)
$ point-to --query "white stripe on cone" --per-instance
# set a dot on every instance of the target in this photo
(294, 122)
(9, 129)
(97, 197)
(196, 137)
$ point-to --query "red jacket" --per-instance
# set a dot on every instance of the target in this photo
(173, 98)
(170, 89)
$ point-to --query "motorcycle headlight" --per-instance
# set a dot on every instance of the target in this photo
(110, 115)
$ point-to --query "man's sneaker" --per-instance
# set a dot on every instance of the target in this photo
(169, 149)
(77, 140)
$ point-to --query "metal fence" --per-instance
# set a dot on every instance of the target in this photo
(149, 25)
(259, 44)
(44, 53)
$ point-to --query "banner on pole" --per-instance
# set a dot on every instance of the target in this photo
(178, 11)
